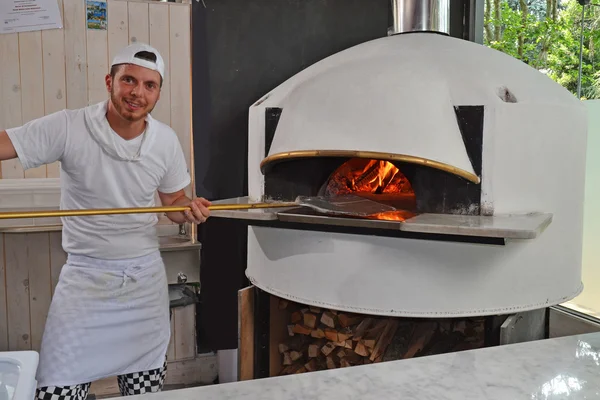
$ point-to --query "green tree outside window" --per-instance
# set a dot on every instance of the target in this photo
(545, 34)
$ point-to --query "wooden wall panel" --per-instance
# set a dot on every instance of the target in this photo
(16, 248)
(10, 97)
(246, 334)
(184, 322)
(180, 66)
(3, 306)
(97, 61)
(118, 27)
(75, 53)
(139, 30)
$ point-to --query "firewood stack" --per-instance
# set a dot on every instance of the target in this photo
(326, 339)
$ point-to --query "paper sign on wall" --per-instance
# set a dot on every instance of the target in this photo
(29, 15)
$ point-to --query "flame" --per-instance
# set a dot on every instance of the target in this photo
(383, 173)
(398, 215)
(375, 179)
(367, 176)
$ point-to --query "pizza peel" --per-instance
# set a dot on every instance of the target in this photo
(343, 205)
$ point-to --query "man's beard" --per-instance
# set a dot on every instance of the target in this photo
(129, 117)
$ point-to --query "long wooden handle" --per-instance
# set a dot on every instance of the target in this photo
(138, 210)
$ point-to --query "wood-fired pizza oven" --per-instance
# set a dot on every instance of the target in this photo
(487, 160)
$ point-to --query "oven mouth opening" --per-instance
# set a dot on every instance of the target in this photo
(411, 188)
(376, 180)
(274, 159)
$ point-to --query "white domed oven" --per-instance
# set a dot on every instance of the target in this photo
(482, 155)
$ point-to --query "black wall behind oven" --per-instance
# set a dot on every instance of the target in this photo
(241, 49)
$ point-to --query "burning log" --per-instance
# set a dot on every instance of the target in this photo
(377, 180)
(320, 339)
(367, 176)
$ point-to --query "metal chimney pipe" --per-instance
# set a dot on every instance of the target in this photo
(420, 15)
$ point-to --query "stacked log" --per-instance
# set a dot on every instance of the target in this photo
(326, 339)
(320, 339)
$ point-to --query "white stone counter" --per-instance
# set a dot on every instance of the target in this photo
(561, 368)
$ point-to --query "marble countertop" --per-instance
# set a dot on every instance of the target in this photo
(559, 368)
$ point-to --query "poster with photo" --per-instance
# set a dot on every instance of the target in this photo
(29, 15)
(96, 14)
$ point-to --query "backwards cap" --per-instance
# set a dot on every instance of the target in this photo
(127, 55)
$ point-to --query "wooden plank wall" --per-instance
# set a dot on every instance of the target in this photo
(65, 68)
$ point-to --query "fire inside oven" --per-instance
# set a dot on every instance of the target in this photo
(401, 181)
(378, 180)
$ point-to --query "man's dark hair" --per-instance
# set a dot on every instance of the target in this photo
(143, 55)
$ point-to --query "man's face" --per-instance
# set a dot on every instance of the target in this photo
(134, 91)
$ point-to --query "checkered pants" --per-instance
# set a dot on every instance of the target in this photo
(129, 384)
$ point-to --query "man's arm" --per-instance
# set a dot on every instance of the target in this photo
(37, 142)
(199, 207)
(7, 150)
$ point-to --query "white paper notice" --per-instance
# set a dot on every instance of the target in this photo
(29, 15)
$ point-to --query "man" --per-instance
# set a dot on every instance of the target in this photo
(110, 312)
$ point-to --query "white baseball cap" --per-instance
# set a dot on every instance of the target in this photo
(127, 55)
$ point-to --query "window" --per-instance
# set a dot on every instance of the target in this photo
(546, 34)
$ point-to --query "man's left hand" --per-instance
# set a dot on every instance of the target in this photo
(199, 211)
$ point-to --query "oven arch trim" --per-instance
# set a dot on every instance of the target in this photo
(279, 157)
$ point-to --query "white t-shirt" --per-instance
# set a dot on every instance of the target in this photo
(99, 169)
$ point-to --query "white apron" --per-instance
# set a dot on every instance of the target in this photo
(107, 317)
